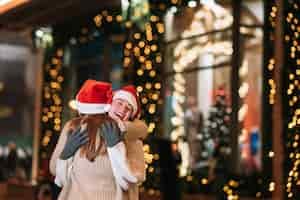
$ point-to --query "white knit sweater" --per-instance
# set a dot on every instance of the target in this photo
(91, 180)
(95, 180)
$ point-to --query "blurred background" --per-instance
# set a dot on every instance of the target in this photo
(218, 82)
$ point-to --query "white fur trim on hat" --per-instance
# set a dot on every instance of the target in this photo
(92, 108)
(121, 94)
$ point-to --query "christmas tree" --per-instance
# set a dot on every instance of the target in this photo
(214, 141)
(216, 131)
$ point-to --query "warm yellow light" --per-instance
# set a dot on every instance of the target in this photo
(60, 79)
(270, 67)
(54, 85)
(45, 140)
(258, 194)
(146, 148)
(189, 178)
(148, 86)
(119, 18)
(151, 169)
(151, 192)
(157, 86)
(147, 51)
(154, 18)
(139, 88)
(271, 186)
(57, 127)
(287, 38)
(204, 181)
(137, 36)
(152, 73)
(233, 183)
(144, 100)
(72, 104)
(136, 51)
(45, 119)
(226, 188)
(126, 52)
(148, 65)
(128, 24)
(98, 20)
(155, 96)
(153, 47)
(152, 109)
(60, 53)
(55, 61)
(109, 18)
(160, 27)
(57, 121)
(128, 45)
(126, 61)
(50, 114)
(141, 44)
(140, 72)
(142, 59)
(158, 59)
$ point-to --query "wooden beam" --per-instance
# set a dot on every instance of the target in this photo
(235, 99)
(37, 115)
(43, 13)
(12, 5)
(277, 109)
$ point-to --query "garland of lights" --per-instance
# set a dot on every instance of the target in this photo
(52, 102)
(292, 91)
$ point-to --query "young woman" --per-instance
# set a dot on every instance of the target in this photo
(92, 175)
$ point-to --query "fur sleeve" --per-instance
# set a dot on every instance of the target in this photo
(136, 129)
(136, 159)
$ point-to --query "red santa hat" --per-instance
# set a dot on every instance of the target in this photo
(94, 97)
(129, 94)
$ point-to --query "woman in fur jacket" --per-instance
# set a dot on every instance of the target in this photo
(99, 155)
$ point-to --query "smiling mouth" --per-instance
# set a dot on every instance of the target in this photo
(119, 115)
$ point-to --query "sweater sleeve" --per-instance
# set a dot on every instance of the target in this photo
(59, 148)
(136, 129)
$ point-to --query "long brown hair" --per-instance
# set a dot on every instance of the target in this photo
(91, 150)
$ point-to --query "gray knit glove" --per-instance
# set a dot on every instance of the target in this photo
(111, 133)
(74, 141)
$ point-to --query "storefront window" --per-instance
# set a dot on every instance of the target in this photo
(198, 63)
(18, 78)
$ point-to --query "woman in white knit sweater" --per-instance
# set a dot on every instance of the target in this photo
(92, 176)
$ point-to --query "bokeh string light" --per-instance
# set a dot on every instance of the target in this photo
(52, 104)
(292, 87)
